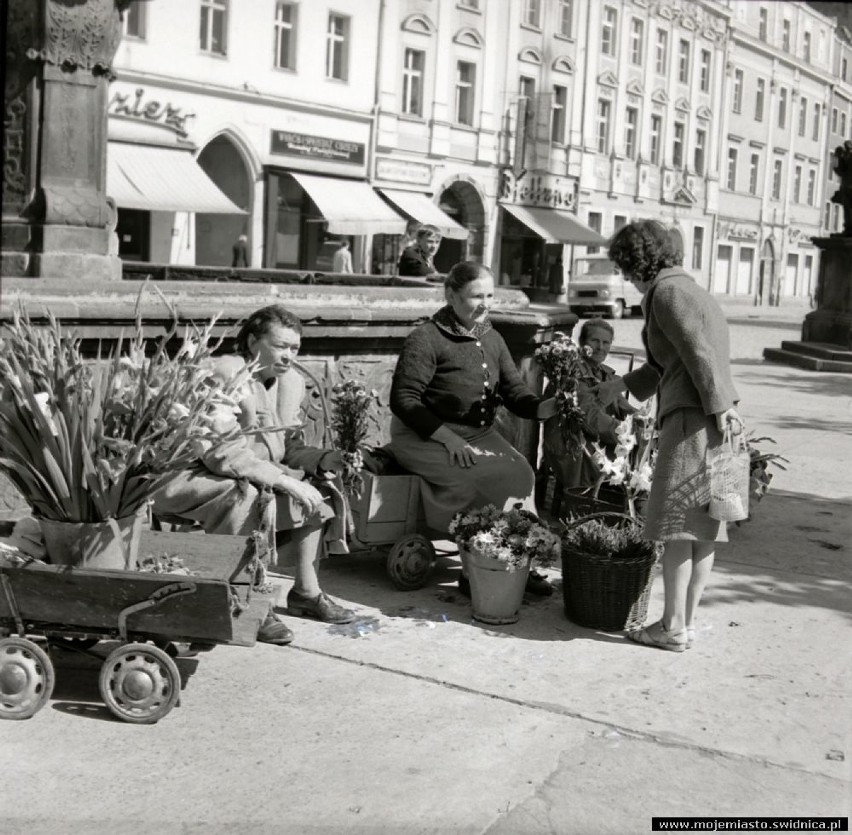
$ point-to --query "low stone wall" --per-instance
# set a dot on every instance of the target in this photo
(349, 332)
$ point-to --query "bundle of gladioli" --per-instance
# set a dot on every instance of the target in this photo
(350, 422)
(90, 440)
(632, 468)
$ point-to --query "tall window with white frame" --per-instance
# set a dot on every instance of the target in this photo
(637, 40)
(683, 62)
(608, 30)
(135, 21)
(469, 4)
(842, 126)
(806, 49)
(785, 34)
(285, 35)
(337, 48)
(596, 223)
(753, 171)
(213, 32)
(630, 126)
(677, 144)
(412, 82)
(732, 169)
(700, 148)
(661, 52)
(566, 18)
(697, 248)
(763, 24)
(656, 138)
(557, 114)
(777, 173)
(803, 115)
(817, 114)
(465, 92)
(532, 13)
(782, 107)
(758, 99)
(797, 184)
(738, 91)
(604, 117)
(812, 187)
(704, 76)
(834, 114)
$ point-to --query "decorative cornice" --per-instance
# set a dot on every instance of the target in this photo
(608, 79)
(530, 55)
(419, 24)
(562, 63)
(468, 36)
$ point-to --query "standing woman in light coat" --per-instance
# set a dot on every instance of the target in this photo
(688, 364)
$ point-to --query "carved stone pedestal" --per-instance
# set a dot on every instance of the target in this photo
(56, 218)
(826, 343)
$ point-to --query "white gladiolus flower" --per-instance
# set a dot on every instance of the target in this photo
(178, 412)
(42, 398)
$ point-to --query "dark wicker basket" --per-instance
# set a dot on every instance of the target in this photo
(605, 592)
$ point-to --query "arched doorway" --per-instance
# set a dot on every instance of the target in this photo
(215, 234)
(461, 201)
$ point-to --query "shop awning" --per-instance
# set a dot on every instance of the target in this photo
(420, 208)
(554, 226)
(160, 179)
(350, 207)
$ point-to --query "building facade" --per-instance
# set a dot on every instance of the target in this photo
(526, 130)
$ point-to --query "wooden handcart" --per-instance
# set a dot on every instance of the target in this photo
(44, 606)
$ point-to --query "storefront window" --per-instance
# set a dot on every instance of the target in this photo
(522, 255)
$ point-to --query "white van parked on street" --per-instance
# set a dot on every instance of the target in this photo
(597, 286)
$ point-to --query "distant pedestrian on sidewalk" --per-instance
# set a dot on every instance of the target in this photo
(240, 252)
(342, 261)
(688, 364)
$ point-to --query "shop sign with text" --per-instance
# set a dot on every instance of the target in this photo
(545, 190)
(317, 147)
(139, 107)
(403, 171)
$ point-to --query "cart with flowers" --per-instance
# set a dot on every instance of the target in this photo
(86, 442)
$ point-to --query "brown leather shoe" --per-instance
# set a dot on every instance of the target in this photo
(274, 631)
(321, 607)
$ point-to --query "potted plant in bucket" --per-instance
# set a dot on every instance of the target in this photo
(87, 441)
(498, 548)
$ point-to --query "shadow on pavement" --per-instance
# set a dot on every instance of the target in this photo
(812, 383)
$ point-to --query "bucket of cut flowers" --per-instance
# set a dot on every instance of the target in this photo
(87, 441)
(498, 548)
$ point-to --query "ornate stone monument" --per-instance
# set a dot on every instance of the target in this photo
(826, 343)
(56, 217)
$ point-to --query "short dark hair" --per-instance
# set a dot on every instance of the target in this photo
(463, 273)
(643, 248)
(595, 323)
(428, 229)
(258, 323)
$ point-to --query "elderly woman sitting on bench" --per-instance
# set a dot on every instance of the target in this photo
(225, 492)
(452, 374)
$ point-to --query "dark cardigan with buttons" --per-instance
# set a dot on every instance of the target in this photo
(447, 375)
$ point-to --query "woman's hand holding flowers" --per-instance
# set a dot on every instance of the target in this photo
(547, 408)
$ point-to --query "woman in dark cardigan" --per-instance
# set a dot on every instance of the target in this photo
(452, 374)
(688, 364)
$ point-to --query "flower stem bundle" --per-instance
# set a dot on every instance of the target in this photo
(350, 422)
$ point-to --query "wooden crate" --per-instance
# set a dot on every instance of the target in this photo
(388, 509)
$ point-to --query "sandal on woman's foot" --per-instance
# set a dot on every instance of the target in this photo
(321, 607)
(690, 636)
(656, 635)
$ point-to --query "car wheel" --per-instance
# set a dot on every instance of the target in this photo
(618, 310)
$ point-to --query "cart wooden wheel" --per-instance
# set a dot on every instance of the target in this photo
(410, 562)
(139, 683)
(26, 678)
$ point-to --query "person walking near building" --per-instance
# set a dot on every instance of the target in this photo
(342, 261)
(240, 252)
(688, 363)
(418, 259)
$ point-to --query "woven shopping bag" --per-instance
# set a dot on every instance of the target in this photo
(730, 469)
